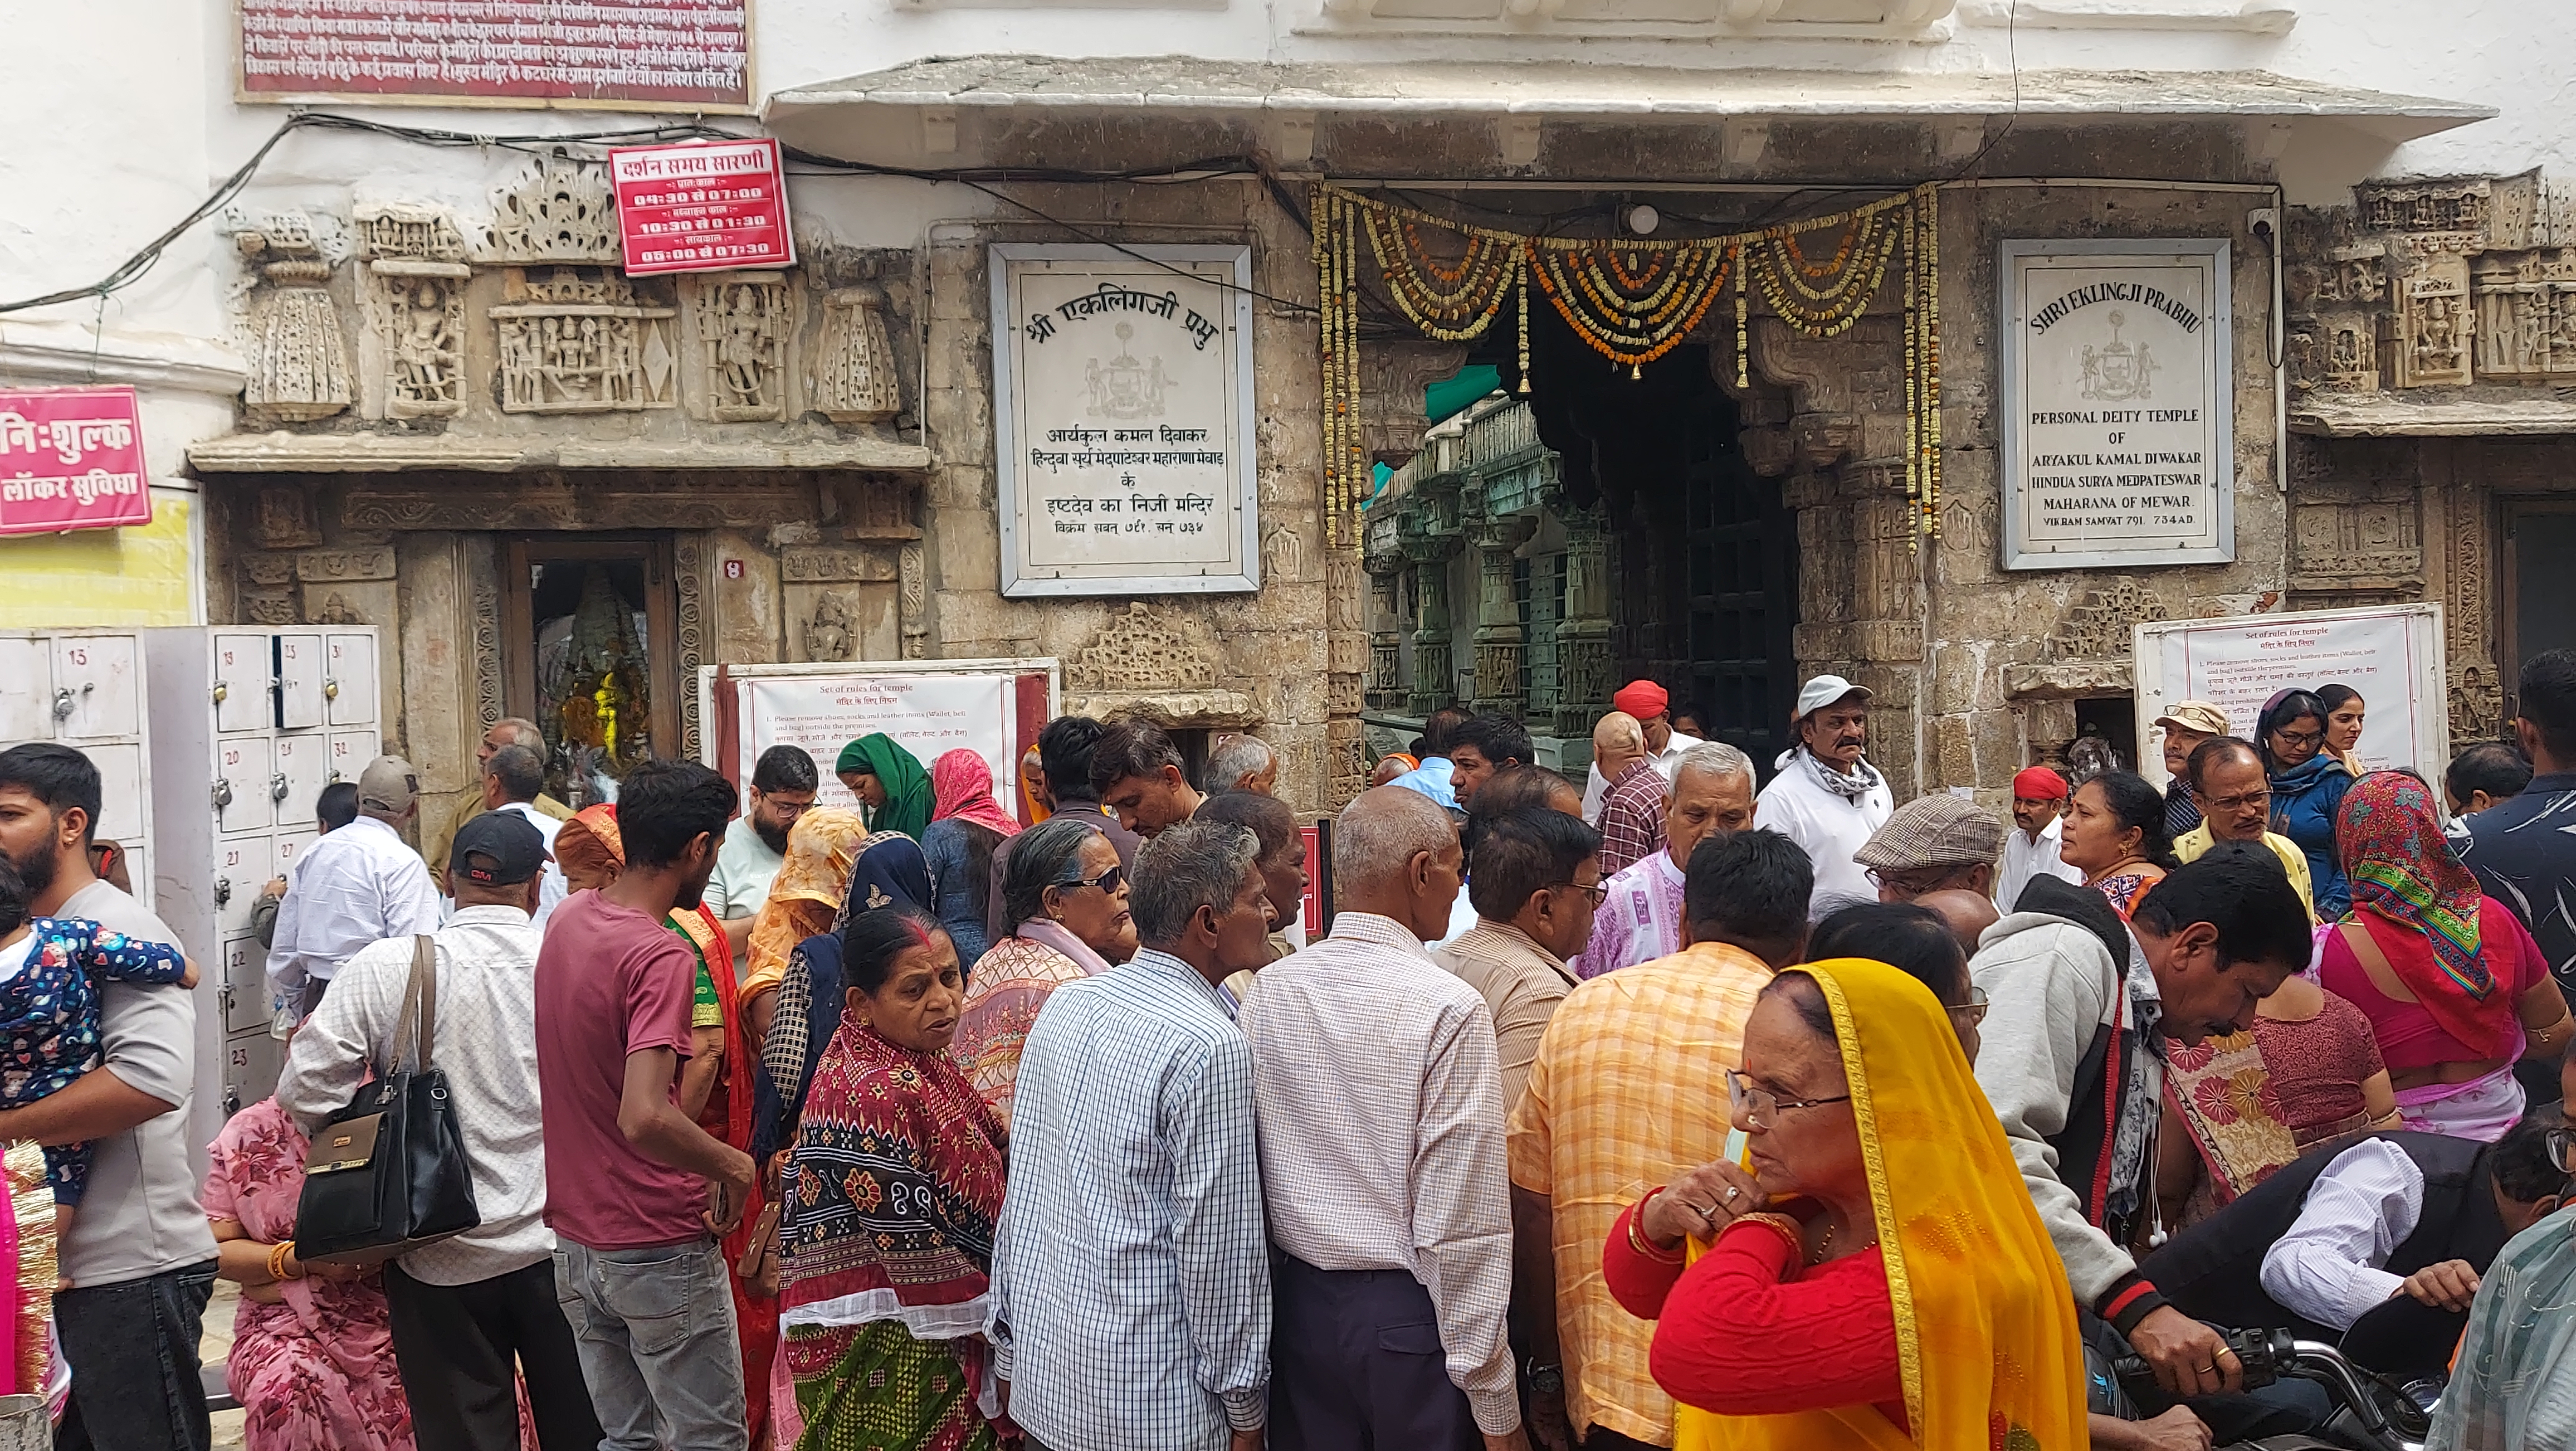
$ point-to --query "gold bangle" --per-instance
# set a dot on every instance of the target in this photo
(1637, 1233)
(277, 1254)
(1789, 1229)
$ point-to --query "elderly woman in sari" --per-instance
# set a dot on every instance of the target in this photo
(1063, 886)
(1880, 1179)
(896, 1181)
(717, 1087)
(804, 900)
(2453, 986)
(966, 824)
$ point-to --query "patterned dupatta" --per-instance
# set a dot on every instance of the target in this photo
(2222, 1091)
(895, 1188)
(2411, 893)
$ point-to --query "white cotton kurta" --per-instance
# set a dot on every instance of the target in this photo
(2025, 859)
(1830, 826)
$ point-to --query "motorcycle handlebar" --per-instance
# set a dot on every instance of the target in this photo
(2265, 1355)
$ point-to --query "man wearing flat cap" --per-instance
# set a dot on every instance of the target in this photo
(1933, 843)
(1653, 709)
(1827, 798)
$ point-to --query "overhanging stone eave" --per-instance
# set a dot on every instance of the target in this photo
(2381, 415)
(303, 453)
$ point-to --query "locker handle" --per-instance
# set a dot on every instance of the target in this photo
(223, 793)
(277, 787)
(223, 890)
(330, 688)
(63, 706)
(222, 692)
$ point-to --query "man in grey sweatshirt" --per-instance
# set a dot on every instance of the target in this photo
(2073, 1063)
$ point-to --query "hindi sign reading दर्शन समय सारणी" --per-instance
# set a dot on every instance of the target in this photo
(1122, 413)
(701, 206)
(2118, 403)
(71, 458)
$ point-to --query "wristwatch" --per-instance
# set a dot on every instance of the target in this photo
(1544, 1380)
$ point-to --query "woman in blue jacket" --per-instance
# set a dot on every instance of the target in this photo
(2308, 786)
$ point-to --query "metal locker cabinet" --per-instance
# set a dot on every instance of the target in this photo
(349, 679)
(97, 686)
(303, 769)
(84, 689)
(26, 688)
(350, 753)
(245, 986)
(244, 782)
(243, 684)
(300, 700)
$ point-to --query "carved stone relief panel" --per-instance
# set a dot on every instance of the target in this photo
(854, 378)
(579, 340)
(283, 519)
(414, 349)
(914, 589)
(2434, 324)
(559, 210)
(1139, 651)
(2342, 541)
(299, 363)
(689, 572)
(2526, 314)
(744, 321)
(842, 602)
(2096, 627)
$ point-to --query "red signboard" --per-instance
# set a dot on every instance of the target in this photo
(637, 54)
(71, 458)
(1315, 913)
(701, 206)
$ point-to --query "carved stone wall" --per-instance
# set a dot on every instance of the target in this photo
(299, 361)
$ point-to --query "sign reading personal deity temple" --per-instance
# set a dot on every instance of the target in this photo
(2118, 398)
(1123, 410)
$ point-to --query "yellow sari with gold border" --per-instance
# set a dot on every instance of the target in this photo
(1985, 1323)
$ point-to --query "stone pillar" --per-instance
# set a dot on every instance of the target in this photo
(1583, 650)
(1434, 681)
(1498, 638)
(1386, 568)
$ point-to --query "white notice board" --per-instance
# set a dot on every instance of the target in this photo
(930, 707)
(2392, 654)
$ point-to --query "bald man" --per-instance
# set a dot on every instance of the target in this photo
(1375, 1082)
(1968, 913)
(1632, 810)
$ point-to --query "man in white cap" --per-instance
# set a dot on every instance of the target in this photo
(1826, 797)
(351, 888)
(2187, 726)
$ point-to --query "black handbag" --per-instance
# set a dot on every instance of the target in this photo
(387, 1174)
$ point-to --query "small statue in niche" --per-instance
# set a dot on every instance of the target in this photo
(831, 634)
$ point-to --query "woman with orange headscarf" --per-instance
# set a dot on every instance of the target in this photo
(1887, 1284)
(803, 900)
(716, 1082)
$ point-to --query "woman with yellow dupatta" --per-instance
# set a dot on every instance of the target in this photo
(804, 898)
(1892, 1287)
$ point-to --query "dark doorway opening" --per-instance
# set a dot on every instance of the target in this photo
(589, 654)
(2539, 590)
(1704, 555)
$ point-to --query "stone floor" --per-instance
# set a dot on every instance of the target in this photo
(216, 1343)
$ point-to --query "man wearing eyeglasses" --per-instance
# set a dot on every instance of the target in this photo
(2235, 800)
(2394, 1231)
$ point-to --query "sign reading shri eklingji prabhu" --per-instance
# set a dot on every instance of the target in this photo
(2118, 400)
(71, 458)
(1122, 415)
(634, 54)
(701, 206)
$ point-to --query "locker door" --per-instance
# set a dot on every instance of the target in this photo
(350, 753)
(251, 1065)
(245, 985)
(243, 865)
(26, 690)
(303, 769)
(349, 679)
(120, 790)
(291, 844)
(244, 766)
(299, 681)
(94, 678)
(245, 669)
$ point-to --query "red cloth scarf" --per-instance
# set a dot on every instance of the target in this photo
(2421, 907)
(961, 788)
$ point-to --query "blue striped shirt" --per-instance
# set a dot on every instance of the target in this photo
(1131, 1268)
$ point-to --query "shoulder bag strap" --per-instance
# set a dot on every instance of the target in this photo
(401, 1041)
(425, 969)
(2374, 963)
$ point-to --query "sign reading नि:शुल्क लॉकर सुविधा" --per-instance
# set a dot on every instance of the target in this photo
(1122, 386)
(72, 458)
(2118, 402)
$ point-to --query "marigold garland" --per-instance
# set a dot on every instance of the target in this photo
(1630, 300)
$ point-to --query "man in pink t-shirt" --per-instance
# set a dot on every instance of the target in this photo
(635, 1191)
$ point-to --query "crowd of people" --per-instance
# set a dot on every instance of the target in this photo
(934, 1123)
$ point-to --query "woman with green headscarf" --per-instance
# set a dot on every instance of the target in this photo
(889, 781)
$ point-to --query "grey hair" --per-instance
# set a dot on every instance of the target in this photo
(1181, 869)
(1378, 834)
(1044, 856)
(1232, 760)
(1714, 758)
(522, 772)
(522, 732)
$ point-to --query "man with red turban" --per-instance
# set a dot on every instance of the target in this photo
(1652, 707)
(2039, 800)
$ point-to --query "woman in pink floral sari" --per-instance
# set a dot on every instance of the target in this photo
(312, 1361)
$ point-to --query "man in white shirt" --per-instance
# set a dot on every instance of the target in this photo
(2039, 809)
(2396, 1216)
(1652, 706)
(755, 845)
(469, 1314)
(139, 1257)
(1827, 798)
(513, 778)
(353, 888)
(1381, 1129)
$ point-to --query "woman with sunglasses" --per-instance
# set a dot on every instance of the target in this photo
(2308, 786)
(1881, 1278)
(1063, 887)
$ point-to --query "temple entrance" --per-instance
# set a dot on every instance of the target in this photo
(589, 650)
(2539, 593)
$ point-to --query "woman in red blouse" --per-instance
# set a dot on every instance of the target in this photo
(1880, 1279)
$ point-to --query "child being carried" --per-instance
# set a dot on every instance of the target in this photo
(49, 1012)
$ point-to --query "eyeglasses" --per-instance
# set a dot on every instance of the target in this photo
(2302, 738)
(2250, 801)
(1970, 1013)
(1760, 1107)
(1913, 881)
(1109, 881)
(1597, 892)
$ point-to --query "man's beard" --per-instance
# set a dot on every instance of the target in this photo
(772, 835)
(40, 868)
